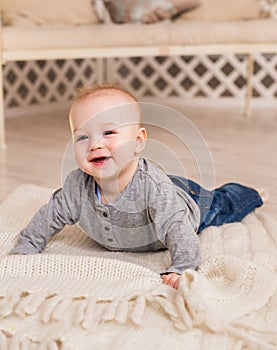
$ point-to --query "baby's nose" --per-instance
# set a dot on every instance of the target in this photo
(96, 143)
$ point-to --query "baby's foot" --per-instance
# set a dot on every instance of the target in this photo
(263, 192)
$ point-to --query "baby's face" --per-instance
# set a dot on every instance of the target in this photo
(107, 136)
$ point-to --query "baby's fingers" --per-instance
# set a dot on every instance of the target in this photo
(172, 279)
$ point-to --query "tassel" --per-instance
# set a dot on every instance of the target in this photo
(52, 345)
(3, 341)
(25, 299)
(122, 312)
(90, 310)
(2, 301)
(249, 339)
(42, 346)
(34, 302)
(172, 311)
(183, 311)
(166, 304)
(198, 310)
(9, 303)
(80, 312)
(49, 307)
(110, 310)
(60, 309)
(14, 343)
(18, 342)
(138, 310)
(25, 344)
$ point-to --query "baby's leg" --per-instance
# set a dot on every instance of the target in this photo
(231, 203)
(228, 203)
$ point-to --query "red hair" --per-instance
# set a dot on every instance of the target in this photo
(102, 90)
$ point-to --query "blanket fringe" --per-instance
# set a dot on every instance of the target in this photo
(89, 313)
(138, 310)
(53, 307)
(10, 341)
(184, 308)
(248, 339)
(7, 304)
(203, 315)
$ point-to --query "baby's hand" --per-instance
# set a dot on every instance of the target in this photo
(172, 279)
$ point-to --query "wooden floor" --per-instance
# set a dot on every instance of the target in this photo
(242, 150)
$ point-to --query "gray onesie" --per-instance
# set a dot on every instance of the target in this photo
(150, 214)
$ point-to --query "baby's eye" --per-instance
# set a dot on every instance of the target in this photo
(108, 132)
(81, 138)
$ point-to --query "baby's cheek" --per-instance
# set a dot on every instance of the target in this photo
(123, 151)
(81, 160)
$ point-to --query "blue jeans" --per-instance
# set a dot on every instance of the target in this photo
(228, 203)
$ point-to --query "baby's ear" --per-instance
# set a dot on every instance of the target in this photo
(141, 140)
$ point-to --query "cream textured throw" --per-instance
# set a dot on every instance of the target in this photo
(79, 296)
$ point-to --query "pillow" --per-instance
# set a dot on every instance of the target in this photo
(225, 10)
(269, 8)
(52, 12)
(147, 11)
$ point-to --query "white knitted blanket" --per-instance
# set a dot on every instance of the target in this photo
(78, 296)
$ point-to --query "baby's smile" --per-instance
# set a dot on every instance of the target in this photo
(99, 161)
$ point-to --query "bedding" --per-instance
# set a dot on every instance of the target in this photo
(77, 295)
(145, 11)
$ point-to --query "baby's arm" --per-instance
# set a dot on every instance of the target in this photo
(184, 248)
(34, 237)
(49, 220)
(176, 218)
(63, 208)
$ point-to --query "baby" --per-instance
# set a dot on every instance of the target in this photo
(123, 201)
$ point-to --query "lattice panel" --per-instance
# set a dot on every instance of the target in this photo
(265, 76)
(188, 77)
(43, 82)
(185, 77)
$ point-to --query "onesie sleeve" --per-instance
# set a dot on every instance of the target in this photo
(176, 219)
(62, 209)
(184, 248)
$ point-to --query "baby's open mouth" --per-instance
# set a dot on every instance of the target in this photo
(100, 160)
